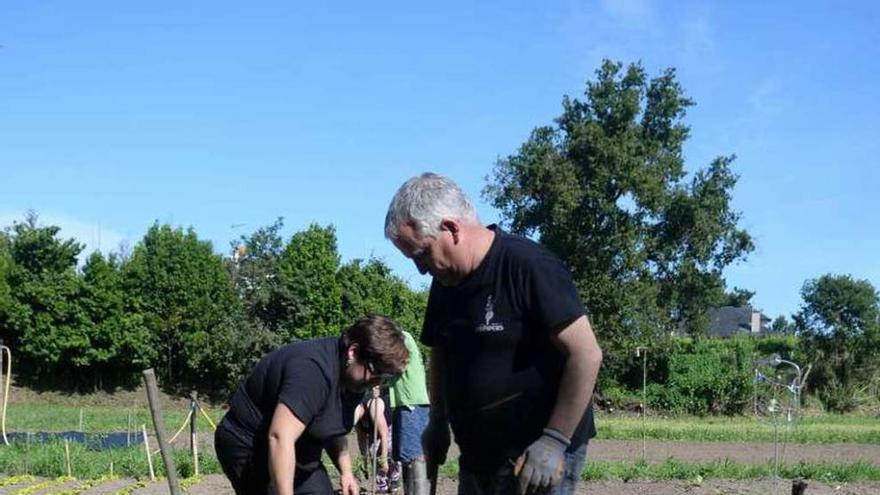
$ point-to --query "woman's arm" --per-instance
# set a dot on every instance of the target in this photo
(284, 431)
(338, 450)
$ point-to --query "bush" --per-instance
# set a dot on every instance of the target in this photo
(665, 398)
(702, 376)
(618, 398)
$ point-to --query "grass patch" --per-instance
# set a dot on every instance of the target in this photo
(47, 460)
(806, 430)
(672, 469)
(96, 419)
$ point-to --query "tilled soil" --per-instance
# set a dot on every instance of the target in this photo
(613, 450)
(659, 451)
(218, 485)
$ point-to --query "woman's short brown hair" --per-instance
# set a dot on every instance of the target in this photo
(380, 342)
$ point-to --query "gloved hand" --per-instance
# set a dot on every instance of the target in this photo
(435, 441)
(543, 462)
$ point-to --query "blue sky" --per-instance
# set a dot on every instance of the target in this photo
(225, 115)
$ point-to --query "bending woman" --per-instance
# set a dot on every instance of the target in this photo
(300, 399)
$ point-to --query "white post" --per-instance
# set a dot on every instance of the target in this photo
(149, 455)
(643, 352)
(67, 458)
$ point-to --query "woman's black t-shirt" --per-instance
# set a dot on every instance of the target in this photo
(304, 376)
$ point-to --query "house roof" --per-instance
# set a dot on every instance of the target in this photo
(726, 321)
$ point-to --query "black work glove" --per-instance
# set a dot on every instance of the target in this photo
(435, 442)
(543, 462)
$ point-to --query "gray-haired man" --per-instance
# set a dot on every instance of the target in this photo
(513, 357)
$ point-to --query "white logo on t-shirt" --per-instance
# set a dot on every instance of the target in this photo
(490, 313)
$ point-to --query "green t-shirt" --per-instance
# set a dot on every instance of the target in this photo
(410, 389)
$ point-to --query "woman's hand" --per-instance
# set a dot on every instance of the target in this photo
(348, 483)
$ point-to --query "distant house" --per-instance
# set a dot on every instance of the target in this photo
(728, 321)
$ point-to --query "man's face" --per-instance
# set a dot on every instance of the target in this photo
(429, 254)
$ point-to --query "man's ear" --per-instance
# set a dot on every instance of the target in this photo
(452, 227)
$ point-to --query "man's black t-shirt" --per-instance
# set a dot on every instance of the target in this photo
(304, 376)
(502, 370)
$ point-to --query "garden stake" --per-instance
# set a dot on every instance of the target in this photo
(67, 457)
(128, 431)
(149, 456)
(375, 408)
(27, 452)
(4, 386)
(193, 441)
(644, 411)
(159, 426)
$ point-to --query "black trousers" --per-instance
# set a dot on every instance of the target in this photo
(246, 464)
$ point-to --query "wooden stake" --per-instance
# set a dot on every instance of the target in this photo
(67, 458)
(149, 455)
(159, 426)
(80, 419)
(193, 440)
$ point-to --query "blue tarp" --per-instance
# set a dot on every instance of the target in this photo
(95, 441)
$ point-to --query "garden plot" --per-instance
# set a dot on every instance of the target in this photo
(217, 485)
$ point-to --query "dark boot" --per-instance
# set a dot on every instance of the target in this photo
(415, 478)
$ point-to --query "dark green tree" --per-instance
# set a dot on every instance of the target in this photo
(45, 323)
(606, 189)
(188, 303)
(839, 323)
(782, 326)
(256, 273)
(120, 344)
(309, 291)
(738, 297)
(371, 288)
(5, 290)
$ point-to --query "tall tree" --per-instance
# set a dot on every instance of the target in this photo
(782, 326)
(839, 322)
(120, 344)
(606, 189)
(738, 297)
(5, 269)
(256, 272)
(187, 300)
(371, 287)
(42, 314)
(310, 292)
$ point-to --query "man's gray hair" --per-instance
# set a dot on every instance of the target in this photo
(425, 200)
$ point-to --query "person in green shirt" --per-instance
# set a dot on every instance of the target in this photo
(410, 409)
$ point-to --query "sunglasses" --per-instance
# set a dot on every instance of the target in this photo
(385, 379)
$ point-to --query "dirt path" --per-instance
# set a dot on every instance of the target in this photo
(659, 451)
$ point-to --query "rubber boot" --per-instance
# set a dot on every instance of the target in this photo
(415, 478)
